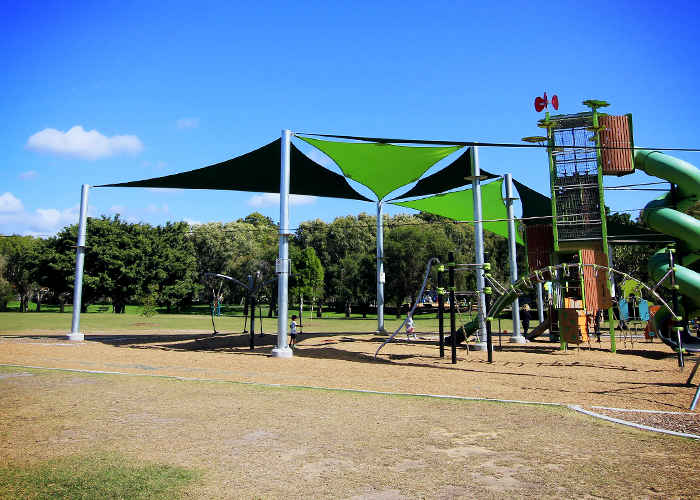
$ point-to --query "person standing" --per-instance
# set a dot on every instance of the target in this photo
(597, 321)
(293, 332)
(525, 318)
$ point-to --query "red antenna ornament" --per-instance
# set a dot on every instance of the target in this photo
(541, 103)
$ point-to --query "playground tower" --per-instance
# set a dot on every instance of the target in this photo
(581, 148)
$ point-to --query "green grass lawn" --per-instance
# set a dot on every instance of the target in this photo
(50, 321)
(105, 476)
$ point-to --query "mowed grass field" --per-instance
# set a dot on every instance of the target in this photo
(231, 320)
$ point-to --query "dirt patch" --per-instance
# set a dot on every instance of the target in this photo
(259, 441)
(281, 443)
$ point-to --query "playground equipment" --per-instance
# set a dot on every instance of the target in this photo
(253, 287)
(665, 214)
(581, 149)
(466, 330)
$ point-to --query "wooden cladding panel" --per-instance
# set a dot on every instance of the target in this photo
(596, 290)
(618, 159)
(540, 245)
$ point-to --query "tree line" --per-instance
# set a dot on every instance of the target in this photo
(333, 264)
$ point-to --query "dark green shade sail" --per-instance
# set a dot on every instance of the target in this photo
(459, 206)
(258, 171)
(383, 168)
(537, 208)
(446, 179)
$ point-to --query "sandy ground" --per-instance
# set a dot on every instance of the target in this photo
(261, 441)
(640, 376)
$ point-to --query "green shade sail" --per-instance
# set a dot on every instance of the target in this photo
(459, 206)
(258, 171)
(451, 177)
(383, 168)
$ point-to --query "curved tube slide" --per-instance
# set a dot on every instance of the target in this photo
(660, 215)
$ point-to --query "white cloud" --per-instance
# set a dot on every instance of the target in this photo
(273, 200)
(77, 143)
(43, 222)
(29, 175)
(187, 123)
(118, 209)
(155, 209)
(10, 205)
(161, 165)
(192, 222)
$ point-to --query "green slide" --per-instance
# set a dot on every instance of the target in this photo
(660, 215)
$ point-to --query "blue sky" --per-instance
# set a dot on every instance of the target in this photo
(103, 92)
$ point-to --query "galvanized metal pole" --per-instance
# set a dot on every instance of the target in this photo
(453, 322)
(79, 266)
(282, 268)
(441, 305)
(540, 304)
(479, 248)
(516, 337)
(380, 268)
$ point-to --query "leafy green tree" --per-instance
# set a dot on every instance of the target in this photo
(309, 280)
(149, 301)
(54, 265)
(632, 259)
(349, 237)
(18, 253)
(235, 249)
(258, 220)
(6, 290)
(115, 262)
(408, 248)
(172, 265)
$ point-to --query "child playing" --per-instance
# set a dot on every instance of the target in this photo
(293, 331)
(410, 328)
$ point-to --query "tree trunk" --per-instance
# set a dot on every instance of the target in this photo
(319, 310)
(348, 308)
(24, 303)
(301, 308)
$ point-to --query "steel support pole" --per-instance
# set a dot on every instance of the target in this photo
(380, 268)
(283, 350)
(512, 259)
(453, 321)
(441, 305)
(479, 248)
(487, 305)
(79, 266)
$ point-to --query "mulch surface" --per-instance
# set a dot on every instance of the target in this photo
(640, 376)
